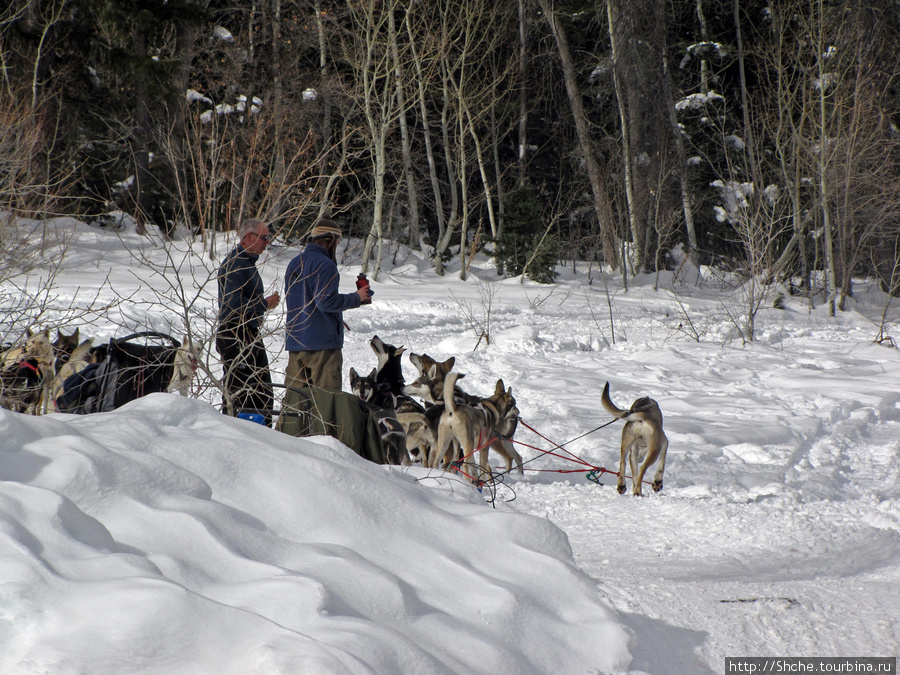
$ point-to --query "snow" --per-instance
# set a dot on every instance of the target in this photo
(223, 34)
(827, 82)
(165, 537)
(192, 95)
(734, 198)
(698, 100)
(225, 108)
(735, 142)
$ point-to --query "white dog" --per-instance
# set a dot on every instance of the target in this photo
(187, 358)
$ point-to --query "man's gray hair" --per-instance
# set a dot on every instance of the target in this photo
(249, 225)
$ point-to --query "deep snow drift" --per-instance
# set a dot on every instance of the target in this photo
(166, 538)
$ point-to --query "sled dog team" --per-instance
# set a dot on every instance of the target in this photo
(32, 375)
(451, 426)
(448, 425)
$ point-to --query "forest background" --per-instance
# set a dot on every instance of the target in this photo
(757, 137)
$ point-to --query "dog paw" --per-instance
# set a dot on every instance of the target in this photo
(621, 488)
(657, 485)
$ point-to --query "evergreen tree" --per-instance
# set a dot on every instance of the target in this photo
(525, 241)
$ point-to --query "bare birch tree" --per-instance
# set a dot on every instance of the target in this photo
(373, 52)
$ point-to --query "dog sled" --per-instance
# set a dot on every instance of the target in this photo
(131, 368)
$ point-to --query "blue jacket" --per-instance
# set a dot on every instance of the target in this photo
(314, 305)
(242, 301)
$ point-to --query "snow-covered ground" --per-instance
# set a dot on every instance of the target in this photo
(167, 538)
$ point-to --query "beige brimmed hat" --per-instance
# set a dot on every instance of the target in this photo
(324, 228)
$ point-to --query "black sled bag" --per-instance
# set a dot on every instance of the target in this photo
(129, 370)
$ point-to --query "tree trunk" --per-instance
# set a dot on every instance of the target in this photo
(602, 205)
(444, 241)
(523, 97)
(426, 128)
(327, 144)
(704, 64)
(141, 133)
(824, 194)
(627, 158)
(681, 157)
(377, 105)
(749, 143)
(412, 196)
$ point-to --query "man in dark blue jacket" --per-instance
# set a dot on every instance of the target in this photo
(242, 308)
(315, 326)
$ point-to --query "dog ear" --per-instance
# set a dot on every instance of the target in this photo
(432, 372)
(449, 363)
(500, 387)
(416, 360)
(400, 350)
(353, 374)
(374, 373)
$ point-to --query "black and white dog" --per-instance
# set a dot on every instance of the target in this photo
(383, 388)
(22, 386)
(393, 436)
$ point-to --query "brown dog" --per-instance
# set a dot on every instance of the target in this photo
(643, 441)
(430, 386)
(476, 427)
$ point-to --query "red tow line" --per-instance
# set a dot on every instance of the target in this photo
(459, 463)
(593, 473)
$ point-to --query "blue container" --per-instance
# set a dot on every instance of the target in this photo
(253, 417)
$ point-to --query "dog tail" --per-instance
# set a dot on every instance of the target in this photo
(449, 391)
(610, 406)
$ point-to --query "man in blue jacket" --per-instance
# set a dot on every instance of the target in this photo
(314, 324)
(242, 308)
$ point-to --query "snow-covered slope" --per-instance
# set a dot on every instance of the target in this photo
(170, 538)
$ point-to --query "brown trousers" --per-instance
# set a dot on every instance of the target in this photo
(320, 368)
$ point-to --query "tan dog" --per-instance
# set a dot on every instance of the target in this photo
(419, 435)
(78, 360)
(475, 427)
(423, 363)
(39, 350)
(643, 441)
(430, 386)
(63, 346)
(37, 346)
